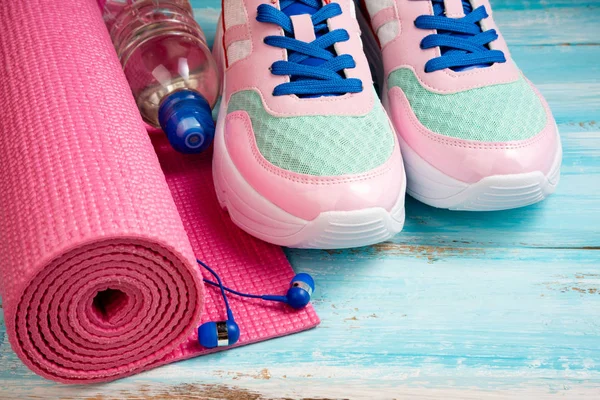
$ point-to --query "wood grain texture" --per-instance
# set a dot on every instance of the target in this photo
(459, 305)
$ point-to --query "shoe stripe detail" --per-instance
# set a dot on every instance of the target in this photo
(383, 17)
(236, 33)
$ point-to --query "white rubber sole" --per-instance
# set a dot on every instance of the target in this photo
(330, 230)
(499, 192)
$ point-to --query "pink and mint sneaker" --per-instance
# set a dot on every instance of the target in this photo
(305, 155)
(475, 133)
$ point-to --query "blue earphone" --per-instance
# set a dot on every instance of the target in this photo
(226, 333)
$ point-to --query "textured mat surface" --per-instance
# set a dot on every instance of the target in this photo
(97, 271)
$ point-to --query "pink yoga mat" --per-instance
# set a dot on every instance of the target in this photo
(98, 235)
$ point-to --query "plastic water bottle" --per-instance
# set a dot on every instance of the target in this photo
(169, 67)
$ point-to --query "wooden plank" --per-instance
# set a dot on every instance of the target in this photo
(556, 25)
(519, 5)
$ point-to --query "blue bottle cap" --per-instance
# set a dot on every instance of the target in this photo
(186, 118)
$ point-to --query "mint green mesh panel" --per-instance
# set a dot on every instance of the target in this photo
(495, 113)
(318, 145)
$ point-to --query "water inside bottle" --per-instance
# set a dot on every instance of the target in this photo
(162, 50)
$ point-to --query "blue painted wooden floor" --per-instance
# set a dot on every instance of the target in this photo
(477, 305)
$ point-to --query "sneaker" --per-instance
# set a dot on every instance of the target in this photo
(305, 155)
(475, 133)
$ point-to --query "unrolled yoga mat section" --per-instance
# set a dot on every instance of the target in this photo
(97, 244)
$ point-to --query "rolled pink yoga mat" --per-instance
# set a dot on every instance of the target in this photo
(98, 235)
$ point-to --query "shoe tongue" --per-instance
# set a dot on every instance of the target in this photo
(298, 8)
(438, 9)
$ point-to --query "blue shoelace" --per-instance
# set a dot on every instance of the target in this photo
(463, 44)
(314, 68)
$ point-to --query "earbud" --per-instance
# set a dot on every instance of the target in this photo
(227, 333)
(298, 295)
(301, 288)
(218, 334)
(222, 333)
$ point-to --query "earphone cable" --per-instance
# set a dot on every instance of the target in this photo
(220, 285)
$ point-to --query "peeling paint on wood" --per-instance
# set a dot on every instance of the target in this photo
(432, 253)
(183, 392)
